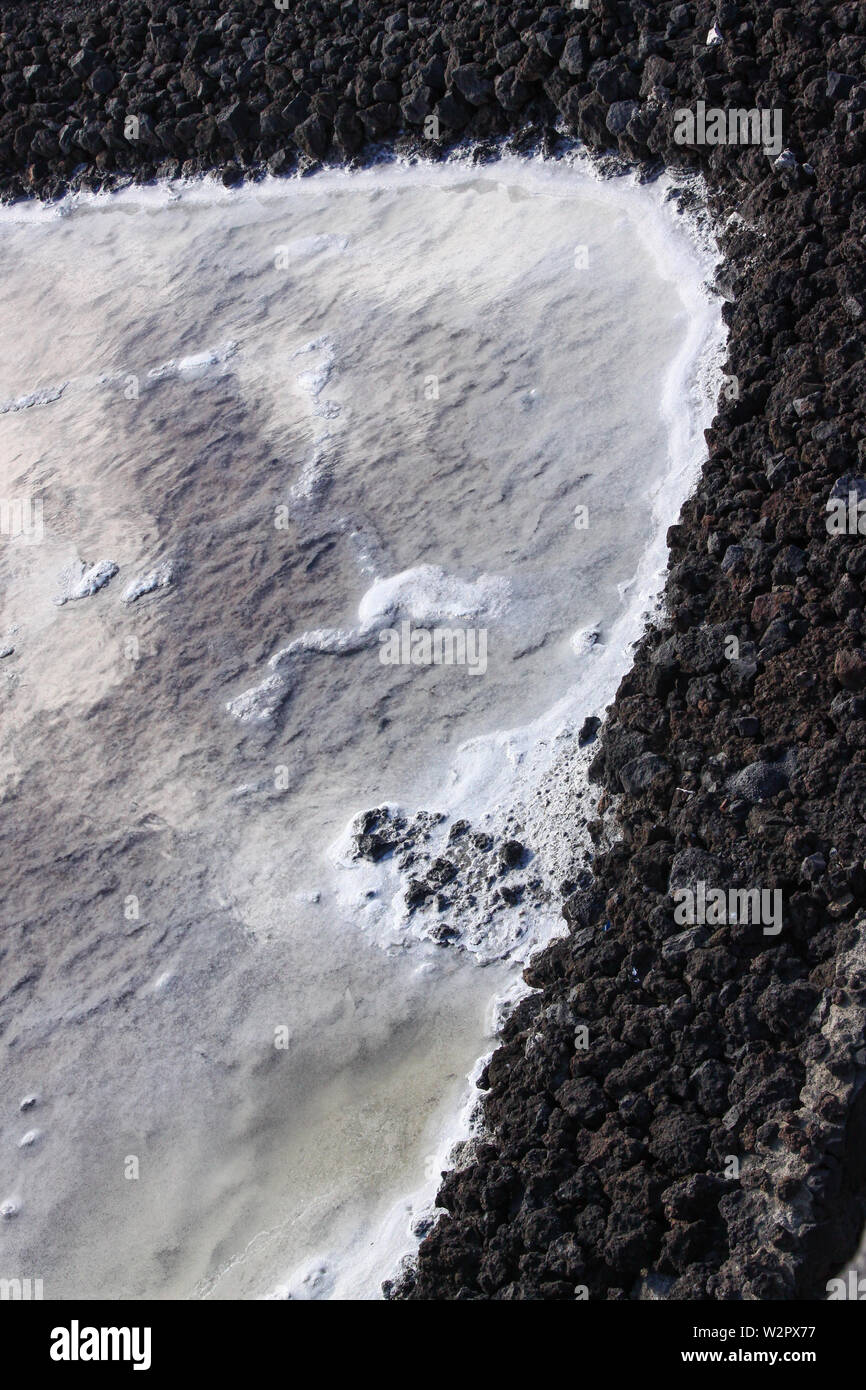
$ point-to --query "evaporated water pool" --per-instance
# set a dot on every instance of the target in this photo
(266, 428)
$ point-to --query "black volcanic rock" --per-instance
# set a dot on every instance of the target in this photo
(233, 122)
(471, 83)
(314, 136)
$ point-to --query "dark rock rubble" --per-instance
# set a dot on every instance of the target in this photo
(677, 1110)
(455, 889)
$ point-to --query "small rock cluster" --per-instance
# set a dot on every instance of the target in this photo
(464, 888)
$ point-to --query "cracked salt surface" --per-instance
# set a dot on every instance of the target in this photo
(254, 916)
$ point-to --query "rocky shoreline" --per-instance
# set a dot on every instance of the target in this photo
(677, 1111)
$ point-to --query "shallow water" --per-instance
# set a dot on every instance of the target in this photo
(296, 417)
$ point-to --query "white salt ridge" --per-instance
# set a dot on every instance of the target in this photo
(82, 581)
(196, 364)
(43, 396)
(262, 702)
(425, 595)
(160, 578)
(315, 476)
(191, 367)
(312, 382)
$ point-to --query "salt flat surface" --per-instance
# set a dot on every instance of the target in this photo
(267, 426)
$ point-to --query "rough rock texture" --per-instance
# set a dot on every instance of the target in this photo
(677, 1111)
